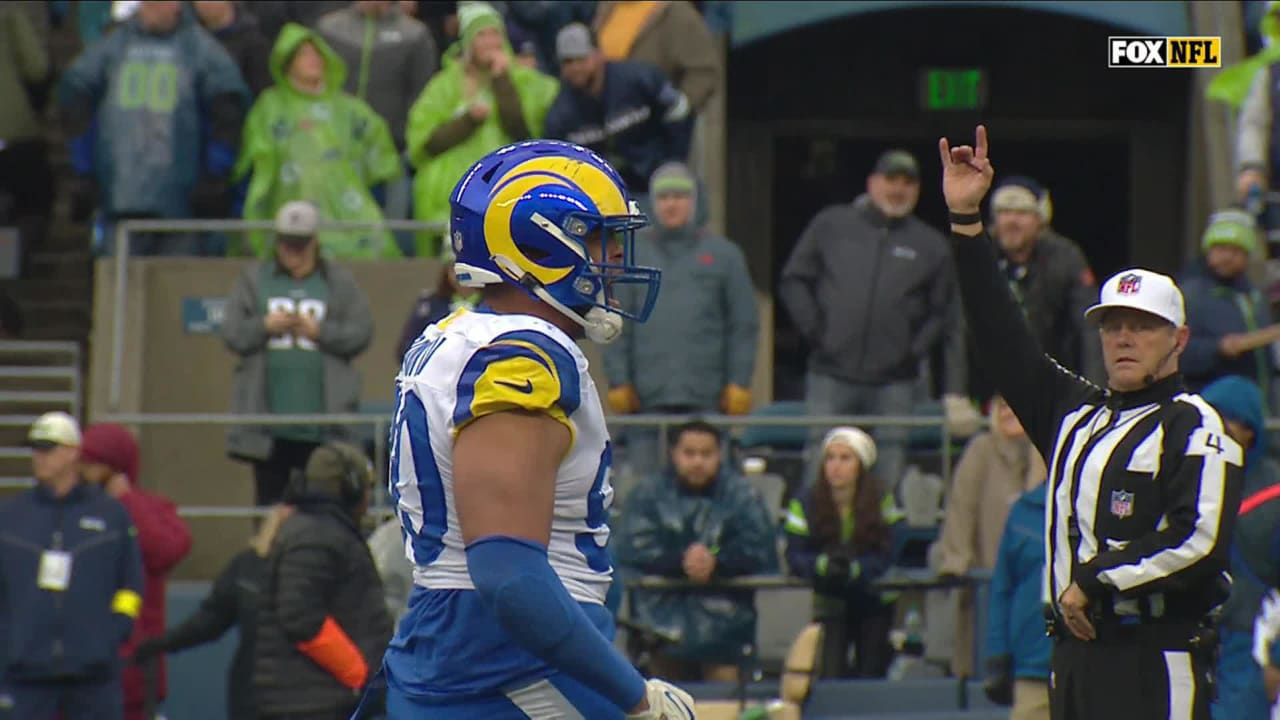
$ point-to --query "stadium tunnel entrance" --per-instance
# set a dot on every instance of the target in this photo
(810, 109)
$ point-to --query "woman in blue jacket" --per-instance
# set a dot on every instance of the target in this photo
(838, 538)
(1017, 648)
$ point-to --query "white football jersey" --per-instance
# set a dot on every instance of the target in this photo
(471, 364)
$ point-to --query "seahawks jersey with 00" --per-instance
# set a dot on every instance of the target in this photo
(476, 363)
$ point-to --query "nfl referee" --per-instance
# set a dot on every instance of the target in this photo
(1144, 482)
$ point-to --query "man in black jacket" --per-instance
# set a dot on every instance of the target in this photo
(869, 286)
(628, 112)
(322, 623)
(1144, 480)
(70, 587)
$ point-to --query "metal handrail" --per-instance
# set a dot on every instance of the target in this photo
(383, 512)
(380, 422)
(922, 421)
(39, 346)
(125, 228)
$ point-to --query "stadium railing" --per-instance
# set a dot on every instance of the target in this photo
(381, 434)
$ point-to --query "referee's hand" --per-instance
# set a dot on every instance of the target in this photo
(1074, 603)
(966, 173)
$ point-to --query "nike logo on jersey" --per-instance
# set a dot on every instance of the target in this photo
(526, 388)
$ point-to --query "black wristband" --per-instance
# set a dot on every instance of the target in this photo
(965, 218)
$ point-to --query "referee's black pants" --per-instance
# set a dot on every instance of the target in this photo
(1141, 672)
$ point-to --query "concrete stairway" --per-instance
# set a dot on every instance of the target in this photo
(35, 377)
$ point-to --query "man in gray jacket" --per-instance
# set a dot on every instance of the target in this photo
(391, 56)
(870, 288)
(697, 352)
(296, 321)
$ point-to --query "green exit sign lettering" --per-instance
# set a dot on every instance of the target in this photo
(953, 89)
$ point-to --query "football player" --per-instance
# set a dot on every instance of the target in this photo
(500, 455)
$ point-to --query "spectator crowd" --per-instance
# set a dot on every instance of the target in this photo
(306, 114)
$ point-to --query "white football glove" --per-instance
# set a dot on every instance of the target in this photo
(666, 702)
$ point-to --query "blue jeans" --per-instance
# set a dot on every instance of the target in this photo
(826, 395)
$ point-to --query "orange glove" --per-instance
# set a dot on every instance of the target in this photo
(623, 399)
(735, 400)
(333, 650)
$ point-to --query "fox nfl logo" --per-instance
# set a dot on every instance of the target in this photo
(1164, 52)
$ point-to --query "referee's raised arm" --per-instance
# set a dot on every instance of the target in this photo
(1037, 388)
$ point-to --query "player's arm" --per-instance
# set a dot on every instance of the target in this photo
(512, 431)
(504, 502)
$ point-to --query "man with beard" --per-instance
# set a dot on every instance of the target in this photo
(1049, 277)
(869, 286)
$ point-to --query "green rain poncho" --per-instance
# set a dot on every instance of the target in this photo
(1231, 86)
(443, 99)
(328, 148)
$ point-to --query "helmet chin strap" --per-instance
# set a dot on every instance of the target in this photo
(600, 325)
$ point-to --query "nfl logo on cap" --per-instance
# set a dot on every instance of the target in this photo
(1129, 284)
(1144, 290)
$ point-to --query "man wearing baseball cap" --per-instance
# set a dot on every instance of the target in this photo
(54, 440)
(70, 586)
(296, 321)
(869, 287)
(629, 112)
(1144, 480)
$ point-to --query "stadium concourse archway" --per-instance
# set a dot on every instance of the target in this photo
(810, 108)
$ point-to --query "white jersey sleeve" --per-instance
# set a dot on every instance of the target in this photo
(473, 364)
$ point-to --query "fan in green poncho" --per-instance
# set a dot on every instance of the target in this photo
(305, 139)
(1231, 86)
(478, 102)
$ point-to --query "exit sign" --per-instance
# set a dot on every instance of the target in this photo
(953, 89)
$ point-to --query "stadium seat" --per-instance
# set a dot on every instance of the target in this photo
(911, 545)
(778, 437)
(926, 439)
(797, 681)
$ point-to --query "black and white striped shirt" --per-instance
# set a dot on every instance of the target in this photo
(1144, 486)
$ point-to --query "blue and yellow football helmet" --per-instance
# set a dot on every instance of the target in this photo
(525, 215)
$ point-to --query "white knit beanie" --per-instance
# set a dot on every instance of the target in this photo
(857, 440)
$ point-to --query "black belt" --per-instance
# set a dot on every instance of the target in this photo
(1172, 633)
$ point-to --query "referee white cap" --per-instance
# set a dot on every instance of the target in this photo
(1142, 290)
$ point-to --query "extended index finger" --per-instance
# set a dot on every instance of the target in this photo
(980, 144)
(944, 151)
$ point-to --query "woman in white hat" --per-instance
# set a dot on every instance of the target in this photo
(838, 538)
